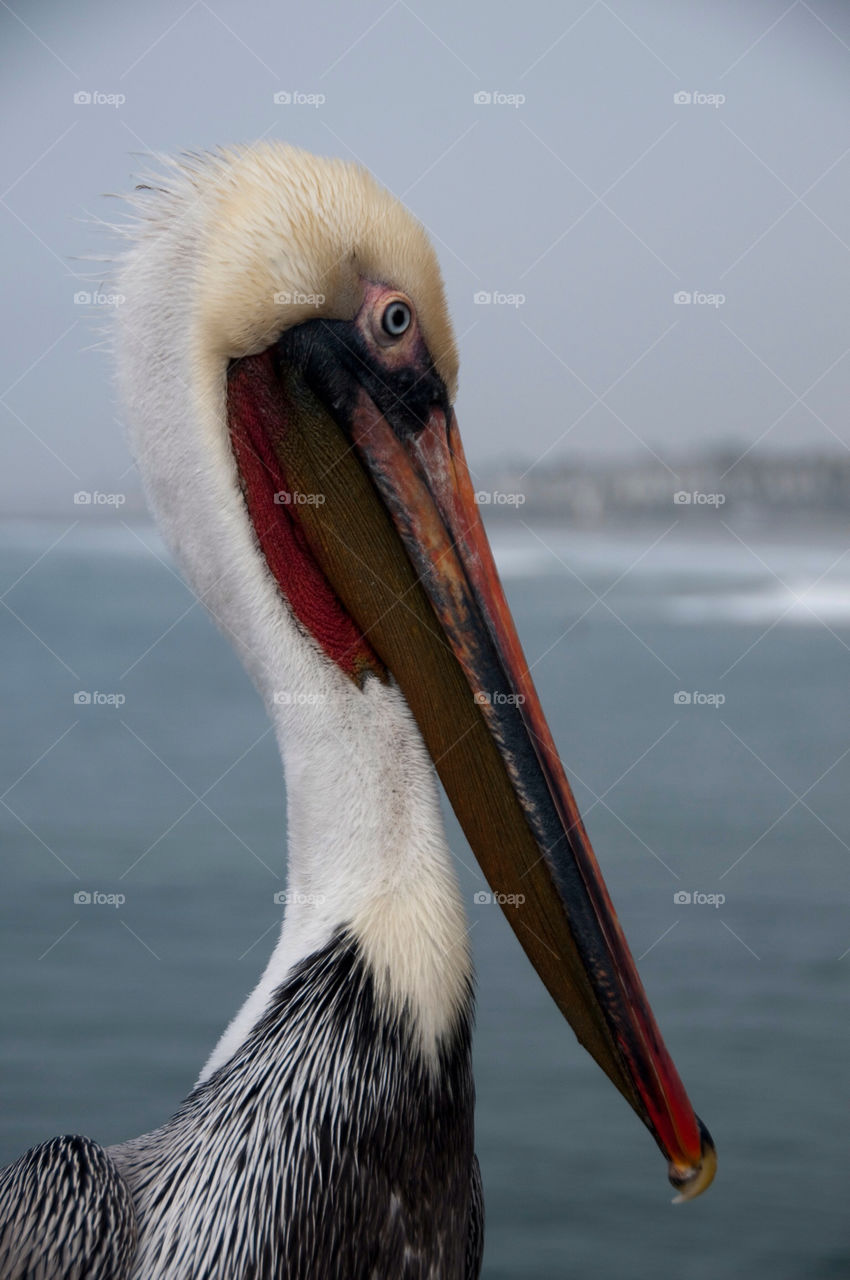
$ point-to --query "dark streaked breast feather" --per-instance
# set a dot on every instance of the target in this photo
(326, 1149)
(65, 1214)
(475, 1239)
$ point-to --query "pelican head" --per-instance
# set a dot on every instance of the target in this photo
(289, 367)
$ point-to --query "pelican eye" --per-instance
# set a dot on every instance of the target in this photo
(396, 318)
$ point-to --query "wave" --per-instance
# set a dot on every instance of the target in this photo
(796, 605)
(685, 581)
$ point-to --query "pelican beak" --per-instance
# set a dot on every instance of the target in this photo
(399, 536)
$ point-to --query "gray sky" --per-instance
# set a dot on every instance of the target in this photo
(597, 198)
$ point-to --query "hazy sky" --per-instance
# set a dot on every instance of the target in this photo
(597, 198)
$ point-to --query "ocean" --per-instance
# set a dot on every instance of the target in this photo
(696, 681)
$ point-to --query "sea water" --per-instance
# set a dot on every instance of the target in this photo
(698, 689)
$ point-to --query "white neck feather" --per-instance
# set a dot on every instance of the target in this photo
(367, 847)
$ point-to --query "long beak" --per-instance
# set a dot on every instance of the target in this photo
(423, 587)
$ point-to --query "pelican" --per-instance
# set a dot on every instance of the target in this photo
(289, 369)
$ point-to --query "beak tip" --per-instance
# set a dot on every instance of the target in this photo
(692, 1180)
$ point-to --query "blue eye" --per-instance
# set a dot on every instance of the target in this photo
(396, 319)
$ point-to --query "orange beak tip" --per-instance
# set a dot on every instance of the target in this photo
(691, 1180)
